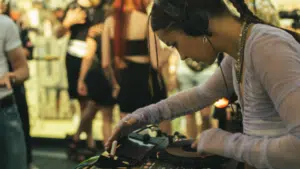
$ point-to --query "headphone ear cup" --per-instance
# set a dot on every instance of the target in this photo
(196, 24)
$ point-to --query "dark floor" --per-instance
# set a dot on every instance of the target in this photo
(51, 153)
(52, 158)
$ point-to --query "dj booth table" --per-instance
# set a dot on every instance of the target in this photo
(142, 151)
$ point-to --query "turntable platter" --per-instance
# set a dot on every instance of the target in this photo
(180, 152)
(183, 149)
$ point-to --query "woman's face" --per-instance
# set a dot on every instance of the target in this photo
(3, 7)
(189, 46)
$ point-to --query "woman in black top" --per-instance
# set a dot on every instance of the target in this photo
(125, 42)
(84, 20)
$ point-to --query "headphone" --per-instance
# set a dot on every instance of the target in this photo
(193, 22)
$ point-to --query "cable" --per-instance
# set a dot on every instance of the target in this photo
(91, 159)
(80, 166)
(224, 79)
(87, 163)
(156, 51)
(146, 127)
(226, 85)
(159, 78)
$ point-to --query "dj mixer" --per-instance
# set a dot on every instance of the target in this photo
(143, 150)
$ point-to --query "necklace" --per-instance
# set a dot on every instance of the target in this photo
(240, 59)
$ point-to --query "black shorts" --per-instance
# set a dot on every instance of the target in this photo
(99, 89)
(73, 65)
(136, 91)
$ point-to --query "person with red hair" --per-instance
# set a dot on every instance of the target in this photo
(125, 40)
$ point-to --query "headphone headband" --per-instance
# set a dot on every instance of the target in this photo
(170, 9)
(194, 22)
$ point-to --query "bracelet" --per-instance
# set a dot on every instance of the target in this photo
(13, 81)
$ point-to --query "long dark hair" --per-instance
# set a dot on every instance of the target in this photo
(119, 31)
(160, 20)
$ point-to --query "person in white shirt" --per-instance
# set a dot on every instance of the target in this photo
(12, 143)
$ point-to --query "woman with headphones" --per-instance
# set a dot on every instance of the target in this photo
(263, 69)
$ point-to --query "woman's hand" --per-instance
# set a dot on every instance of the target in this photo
(125, 126)
(120, 63)
(74, 16)
(116, 90)
(26, 52)
(81, 88)
(195, 146)
(95, 30)
(7, 80)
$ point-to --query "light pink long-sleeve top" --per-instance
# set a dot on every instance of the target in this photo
(271, 103)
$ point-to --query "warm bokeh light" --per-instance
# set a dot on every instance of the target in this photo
(222, 103)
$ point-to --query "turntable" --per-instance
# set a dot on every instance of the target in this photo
(145, 150)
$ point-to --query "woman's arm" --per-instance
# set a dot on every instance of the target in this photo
(88, 58)
(13, 47)
(187, 101)
(276, 62)
(106, 51)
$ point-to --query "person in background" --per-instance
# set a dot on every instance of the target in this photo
(191, 73)
(83, 20)
(92, 83)
(19, 90)
(134, 73)
(12, 142)
(59, 14)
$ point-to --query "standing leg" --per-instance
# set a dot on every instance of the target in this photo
(83, 104)
(206, 118)
(19, 93)
(86, 123)
(107, 114)
(191, 126)
(166, 127)
(12, 139)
